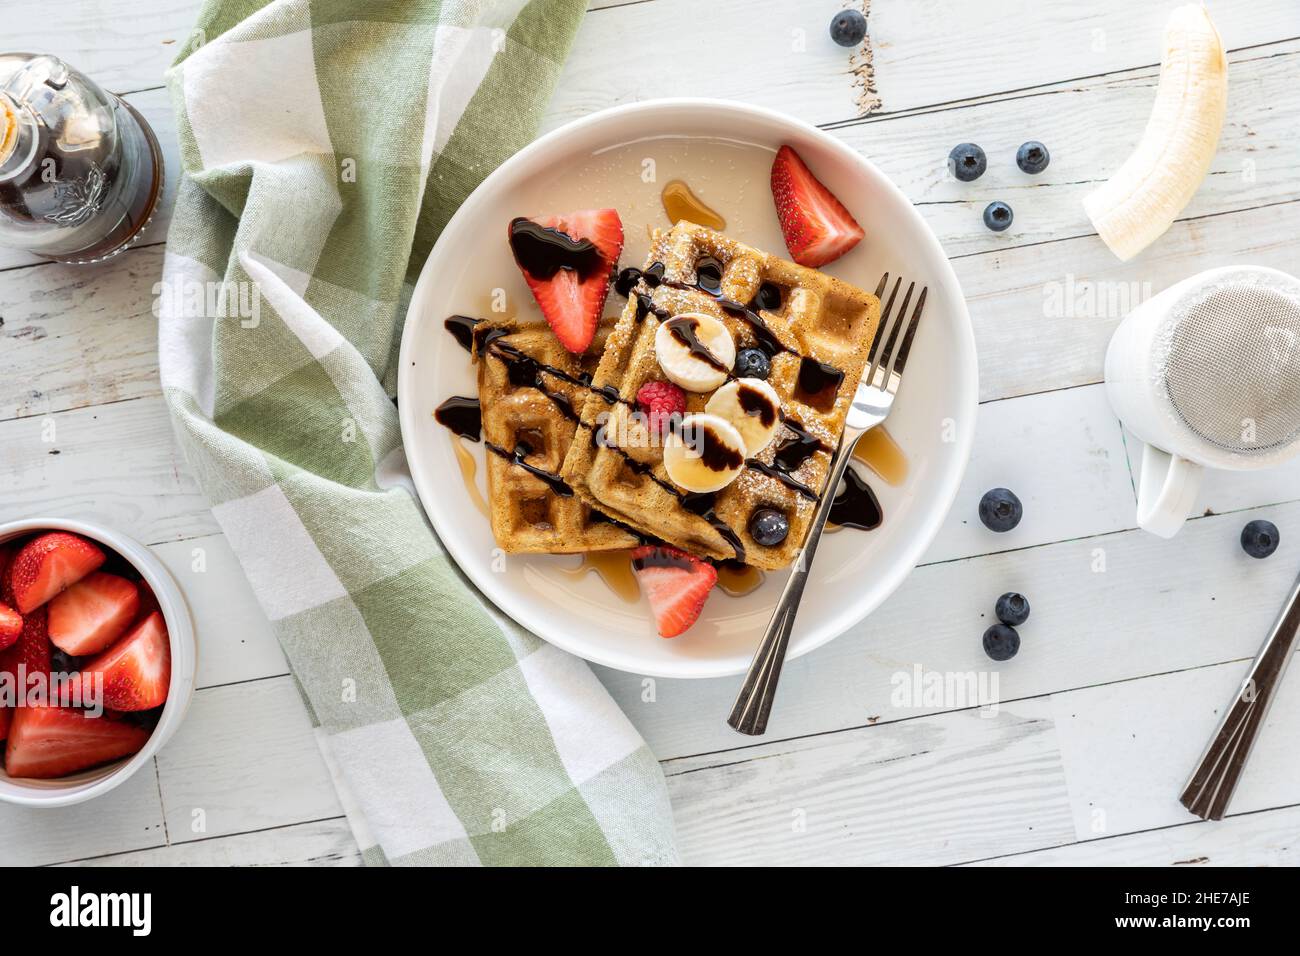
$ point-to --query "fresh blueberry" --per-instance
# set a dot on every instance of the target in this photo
(1000, 510)
(967, 162)
(1001, 642)
(1260, 538)
(1032, 157)
(768, 527)
(753, 363)
(997, 215)
(1012, 609)
(849, 28)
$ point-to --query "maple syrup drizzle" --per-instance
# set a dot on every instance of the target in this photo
(878, 451)
(737, 580)
(469, 471)
(614, 568)
(681, 203)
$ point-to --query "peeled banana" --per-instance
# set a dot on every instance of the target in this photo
(1136, 205)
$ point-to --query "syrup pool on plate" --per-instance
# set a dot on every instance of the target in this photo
(653, 183)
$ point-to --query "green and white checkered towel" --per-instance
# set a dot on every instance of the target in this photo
(325, 143)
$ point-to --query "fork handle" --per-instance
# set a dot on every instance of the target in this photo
(754, 703)
(1208, 791)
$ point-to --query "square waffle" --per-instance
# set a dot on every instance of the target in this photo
(817, 332)
(530, 388)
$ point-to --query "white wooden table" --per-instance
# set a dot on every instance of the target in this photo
(1135, 644)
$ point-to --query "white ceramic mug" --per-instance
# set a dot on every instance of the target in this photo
(1138, 363)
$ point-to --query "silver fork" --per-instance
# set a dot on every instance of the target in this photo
(870, 406)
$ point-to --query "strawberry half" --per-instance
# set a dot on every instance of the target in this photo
(93, 613)
(817, 227)
(49, 564)
(675, 583)
(11, 626)
(136, 670)
(47, 741)
(567, 261)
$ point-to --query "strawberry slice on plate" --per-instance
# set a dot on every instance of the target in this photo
(48, 564)
(136, 670)
(11, 626)
(817, 227)
(47, 741)
(567, 261)
(91, 614)
(676, 584)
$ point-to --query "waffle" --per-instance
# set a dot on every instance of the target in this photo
(527, 431)
(616, 465)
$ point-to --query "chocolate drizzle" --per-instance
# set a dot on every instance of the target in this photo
(856, 506)
(462, 415)
(519, 458)
(542, 252)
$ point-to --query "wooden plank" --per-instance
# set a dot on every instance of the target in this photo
(245, 759)
(122, 48)
(77, 336)
(320, 843)
(920, 792)
(1027, 342)
(616, 60)
(115, 464)
(1090, 128)
(1159, 605)
(1253, 839)
(127, 818)
(936, 789)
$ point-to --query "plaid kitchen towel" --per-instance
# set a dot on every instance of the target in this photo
(325, 143)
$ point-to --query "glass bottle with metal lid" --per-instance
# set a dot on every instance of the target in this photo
(80, 170)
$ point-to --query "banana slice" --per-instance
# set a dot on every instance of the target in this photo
(753, 407)
(704, 453)
(1137, 204)
(695, 350)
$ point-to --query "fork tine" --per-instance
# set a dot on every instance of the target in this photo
(905, 348)
(888, 352)
(880, 289)
(874, 352)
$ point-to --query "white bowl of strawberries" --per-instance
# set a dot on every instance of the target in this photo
(97, 659)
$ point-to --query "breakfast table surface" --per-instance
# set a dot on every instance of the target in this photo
(875, 755)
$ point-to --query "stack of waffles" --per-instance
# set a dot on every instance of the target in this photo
(576, 469)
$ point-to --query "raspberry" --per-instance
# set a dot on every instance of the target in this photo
(660, 401)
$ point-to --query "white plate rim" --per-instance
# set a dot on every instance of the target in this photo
(851, 613)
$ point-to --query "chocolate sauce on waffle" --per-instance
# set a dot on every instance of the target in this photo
(818, 384)
(768, 297)
(519, 458)
(542, 252)
(462, 415)
(708, 275)
(856, 506)
(461, 328)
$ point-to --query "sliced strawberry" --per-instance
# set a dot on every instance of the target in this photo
(567, 261)
(93, 613)
(135, 670)
(11, 626)
(48, 741)
(675, 583)
(4, 722)
(32, 649)
(148, 600)
(47, 565)
(7, 552)
(817, 227)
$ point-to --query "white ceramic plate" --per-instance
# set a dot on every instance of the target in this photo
(623, 157)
